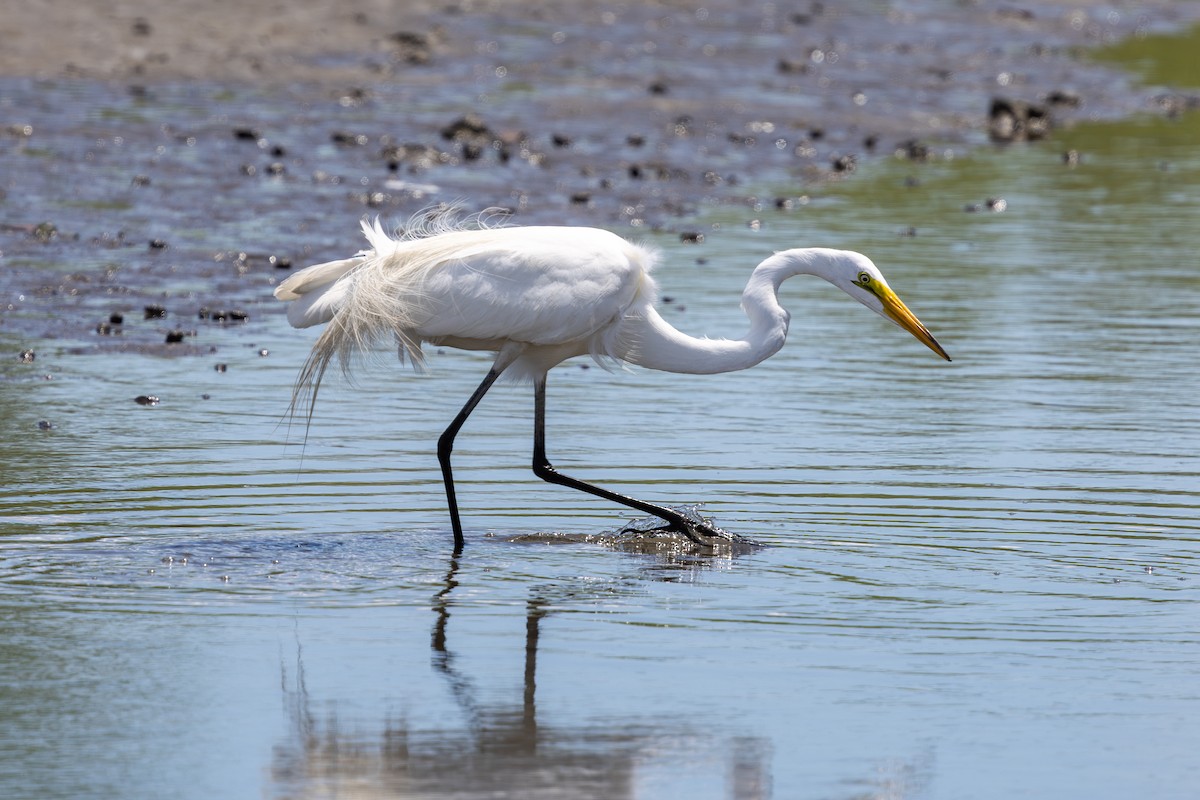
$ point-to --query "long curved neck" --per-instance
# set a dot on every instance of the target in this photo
(661, 346)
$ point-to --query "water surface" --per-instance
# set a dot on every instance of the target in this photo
(981, 578)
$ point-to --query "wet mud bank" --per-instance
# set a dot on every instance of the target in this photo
(162, 171)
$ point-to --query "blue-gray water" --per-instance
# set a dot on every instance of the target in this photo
(981, 579)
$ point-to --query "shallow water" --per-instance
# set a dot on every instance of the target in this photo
(981, 578)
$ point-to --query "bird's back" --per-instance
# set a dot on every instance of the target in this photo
(538, 285)
(561, 289)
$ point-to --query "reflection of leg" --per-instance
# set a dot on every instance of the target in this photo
(506, 356)
(534, 611)
(544, 470)
(443, 658)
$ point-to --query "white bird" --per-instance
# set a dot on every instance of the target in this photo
(537, 296)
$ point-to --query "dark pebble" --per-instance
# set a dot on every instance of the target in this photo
(246, 134)
(116, 318)
(158, 244)
(913, 150)
(346, 139)
(1016, 120)
(844, 164)
(470, 126)
(45, 425)
(146, 400)
(155, 312)
(221, 367)
(175, 337)
(1065, 98)
(691, 237)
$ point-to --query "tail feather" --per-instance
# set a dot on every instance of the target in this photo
(376, 294)
(318, 276)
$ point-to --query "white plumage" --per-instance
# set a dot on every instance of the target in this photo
(538, 296)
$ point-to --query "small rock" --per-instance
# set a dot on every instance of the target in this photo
(146, 400)
(913, 150)
(1017, 120)
(1065, 98)
(345, 139)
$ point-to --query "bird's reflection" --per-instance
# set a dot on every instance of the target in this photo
(494, 728)
(502, 750)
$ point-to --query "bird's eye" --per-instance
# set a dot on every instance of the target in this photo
(864, 279)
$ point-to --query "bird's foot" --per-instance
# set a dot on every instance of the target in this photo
(697, 529)
(704, 538)
(701, 532)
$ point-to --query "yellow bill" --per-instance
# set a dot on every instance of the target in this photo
(894, 307)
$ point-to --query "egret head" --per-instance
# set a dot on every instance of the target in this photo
(862, 280)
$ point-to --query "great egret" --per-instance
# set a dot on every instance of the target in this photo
(537, 296)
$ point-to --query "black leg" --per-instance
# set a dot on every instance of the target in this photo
(505, 358)
(544, 470)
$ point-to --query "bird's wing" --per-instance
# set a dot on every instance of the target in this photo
(542, 286)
